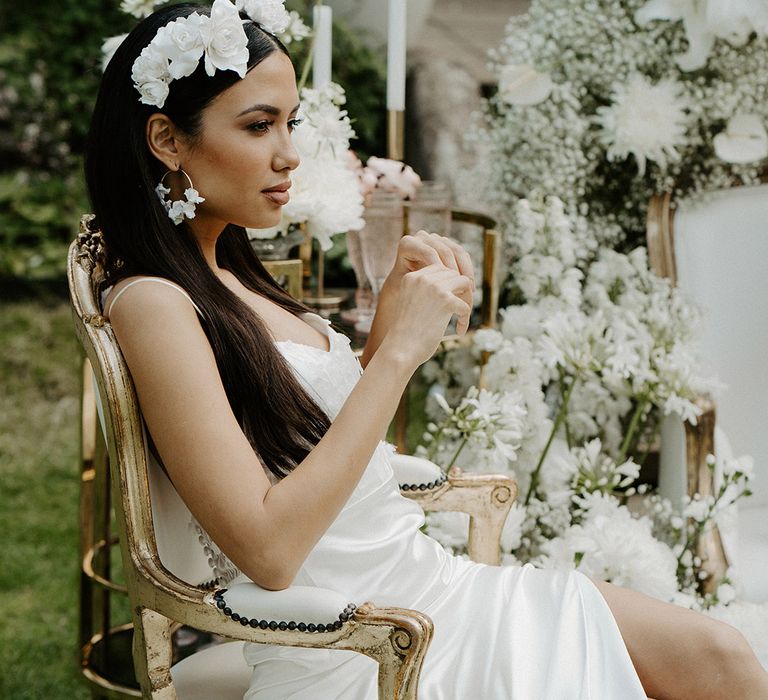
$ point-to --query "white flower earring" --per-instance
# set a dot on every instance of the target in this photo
(179, 208)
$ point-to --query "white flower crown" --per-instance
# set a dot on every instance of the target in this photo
(176, 50)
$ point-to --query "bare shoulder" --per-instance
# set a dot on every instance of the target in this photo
(140, 294)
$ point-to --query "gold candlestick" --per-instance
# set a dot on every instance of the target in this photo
(325, 304)
(396, 134)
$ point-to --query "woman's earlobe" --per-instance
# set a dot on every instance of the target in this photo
(163, 141)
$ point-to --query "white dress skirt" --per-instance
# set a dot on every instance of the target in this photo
(500, 633)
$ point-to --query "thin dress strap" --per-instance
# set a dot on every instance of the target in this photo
(160, 280)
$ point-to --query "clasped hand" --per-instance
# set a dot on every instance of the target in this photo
(433, 279)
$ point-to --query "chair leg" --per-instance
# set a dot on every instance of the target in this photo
(700, 443)
(153, 655)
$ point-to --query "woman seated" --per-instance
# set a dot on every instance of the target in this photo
(269, 427)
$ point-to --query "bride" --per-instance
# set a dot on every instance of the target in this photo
(270, 429)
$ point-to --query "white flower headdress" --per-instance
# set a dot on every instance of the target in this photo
(220, 39)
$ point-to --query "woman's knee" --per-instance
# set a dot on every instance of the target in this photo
(727, 652)
(725, 644)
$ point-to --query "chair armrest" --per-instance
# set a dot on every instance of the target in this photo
(416, 473)
(292, 608)
(486, 498)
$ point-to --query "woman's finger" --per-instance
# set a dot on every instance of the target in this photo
(462, 288)
(444, 247)
(463, 261)
(416, 253)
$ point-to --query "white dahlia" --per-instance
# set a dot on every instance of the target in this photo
(645, 120)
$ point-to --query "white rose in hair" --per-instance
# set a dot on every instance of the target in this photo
(150, 65)
(226, 46)
(153, 92)
(182, 42)
(151, 77)
(270, 14)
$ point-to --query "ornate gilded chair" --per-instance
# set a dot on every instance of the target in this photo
(167, 572)
(715, 250)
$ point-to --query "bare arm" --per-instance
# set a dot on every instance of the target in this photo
(266, 530)
(414, 253)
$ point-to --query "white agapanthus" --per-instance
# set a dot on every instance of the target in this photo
(596, 472)
(488, 339)
(511, 535)
(573, 341)
(585, 368)
(539, 276)
(611, 545)
(450, 529)
(521, 322)
(644, 120)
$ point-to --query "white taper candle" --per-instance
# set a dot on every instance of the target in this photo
(322, 19)
(396, 55)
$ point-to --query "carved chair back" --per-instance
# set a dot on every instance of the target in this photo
(715, 251)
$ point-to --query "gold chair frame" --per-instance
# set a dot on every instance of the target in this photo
(699, 438)
(396, 638)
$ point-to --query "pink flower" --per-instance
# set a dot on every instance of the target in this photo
(394, 176)
(366, 179)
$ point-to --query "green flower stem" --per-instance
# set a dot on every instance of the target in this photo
(435, 442)
(633, 425)
(457, 453)
(568, 438)
(561, 414)
(307, 66)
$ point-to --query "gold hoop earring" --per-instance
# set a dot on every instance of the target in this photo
(179, 208)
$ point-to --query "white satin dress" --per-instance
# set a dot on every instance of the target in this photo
(501, 633)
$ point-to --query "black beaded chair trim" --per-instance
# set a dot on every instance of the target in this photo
(347, 614)
(426, 487)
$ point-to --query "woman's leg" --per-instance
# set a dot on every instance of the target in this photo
(683, 655)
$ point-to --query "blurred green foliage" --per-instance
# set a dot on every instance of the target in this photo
(50, 55)
(49, 73)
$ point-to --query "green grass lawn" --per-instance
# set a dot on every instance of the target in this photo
(39, 485)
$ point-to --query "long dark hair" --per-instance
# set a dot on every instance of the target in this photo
(279, 418)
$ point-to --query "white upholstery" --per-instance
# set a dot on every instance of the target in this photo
(721, 251)
(177, 544)
(414, 470)
(297, 603)
(215, 673)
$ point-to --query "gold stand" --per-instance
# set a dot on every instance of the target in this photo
(325, 304)
(396, 134)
